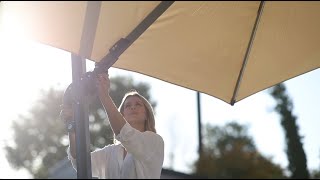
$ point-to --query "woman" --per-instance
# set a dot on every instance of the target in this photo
(138, 151)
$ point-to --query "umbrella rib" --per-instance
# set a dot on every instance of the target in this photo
(148, 21)
(121, 45)
(253, 33)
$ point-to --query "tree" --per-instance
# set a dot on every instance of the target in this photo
(295, 153)
(40, 138)
(228, 152)
(315, 174)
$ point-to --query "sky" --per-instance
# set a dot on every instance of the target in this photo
(27, 68)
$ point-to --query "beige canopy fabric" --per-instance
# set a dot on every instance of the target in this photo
(198, 45)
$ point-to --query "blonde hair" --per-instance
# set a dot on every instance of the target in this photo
(149, 124)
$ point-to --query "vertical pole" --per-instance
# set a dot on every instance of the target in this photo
(82, 119)
(199, 123)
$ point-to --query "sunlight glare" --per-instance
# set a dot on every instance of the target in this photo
(11, 28)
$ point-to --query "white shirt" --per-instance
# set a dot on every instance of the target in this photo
(144, 159)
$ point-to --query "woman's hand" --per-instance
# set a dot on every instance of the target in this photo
(103, 85)
(66, 113)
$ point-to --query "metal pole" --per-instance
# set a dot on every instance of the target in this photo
(82, 119)
(199, 123)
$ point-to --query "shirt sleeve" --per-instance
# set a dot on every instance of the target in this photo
(98, 161)
(73, 160)
(144, 146)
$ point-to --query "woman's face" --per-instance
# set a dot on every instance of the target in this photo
(134, 110)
